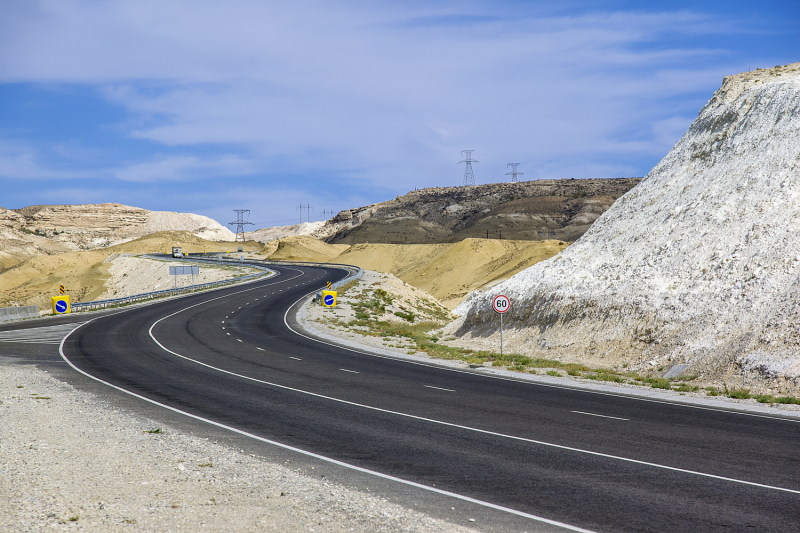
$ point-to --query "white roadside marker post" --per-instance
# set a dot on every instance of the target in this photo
(501, 304)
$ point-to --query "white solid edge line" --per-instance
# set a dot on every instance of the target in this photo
(398, 358)
(459, 426)
(602, 416)
(322, 457)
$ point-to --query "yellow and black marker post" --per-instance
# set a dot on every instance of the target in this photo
(61, 289)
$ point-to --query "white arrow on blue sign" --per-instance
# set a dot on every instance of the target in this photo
(328, 299)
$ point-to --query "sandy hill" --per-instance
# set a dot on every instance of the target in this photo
(302, 248)
(450, 271)
(446, 271)
(189, 242)
(697, 265)
(281, 232)
(35, 280)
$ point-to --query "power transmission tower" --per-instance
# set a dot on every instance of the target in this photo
(513, 172)
(240, 223)
(308, 212)
(301, 212)
(469, 177)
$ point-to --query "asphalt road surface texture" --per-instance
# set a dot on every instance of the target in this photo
(545, 457)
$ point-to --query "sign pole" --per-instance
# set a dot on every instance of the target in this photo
(501, 335)
(501, 303)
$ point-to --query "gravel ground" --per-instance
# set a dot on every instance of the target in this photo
(73, 462)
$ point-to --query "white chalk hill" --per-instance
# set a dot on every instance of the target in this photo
(698, 264)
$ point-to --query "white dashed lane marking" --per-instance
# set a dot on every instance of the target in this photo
(351, 371)
(438, 388)
(295, 358)
(602, 416)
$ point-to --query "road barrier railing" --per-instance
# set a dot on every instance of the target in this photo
(260, 264)
(113, 302)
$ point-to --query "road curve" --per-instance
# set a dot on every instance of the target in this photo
(589, 461)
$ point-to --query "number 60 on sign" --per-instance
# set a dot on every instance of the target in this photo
(501, 303)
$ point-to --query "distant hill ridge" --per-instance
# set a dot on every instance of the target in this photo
(48, 229)
(529, 210)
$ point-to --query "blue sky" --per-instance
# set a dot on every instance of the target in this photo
(206, 107)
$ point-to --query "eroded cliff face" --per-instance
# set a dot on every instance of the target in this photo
(57, 228)
(698, 264)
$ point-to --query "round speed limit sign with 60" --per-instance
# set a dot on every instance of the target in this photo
(501, 303)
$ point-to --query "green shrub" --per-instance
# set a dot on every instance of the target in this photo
(739, 394)
(405, 316)
(553, 373)
(712, 391)
(658, 383)
(764, 398)
(787, 399)
(605, 376)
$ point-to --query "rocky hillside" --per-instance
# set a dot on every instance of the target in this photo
(533, 210)
(697, 265)
(48, 229)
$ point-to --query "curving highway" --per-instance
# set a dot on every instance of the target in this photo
(552, 457)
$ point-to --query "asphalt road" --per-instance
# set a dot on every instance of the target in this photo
(597, 461)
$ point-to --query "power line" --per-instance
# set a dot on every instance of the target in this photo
(469, 177)
(513, 172)
(240, 223)
(308, 213)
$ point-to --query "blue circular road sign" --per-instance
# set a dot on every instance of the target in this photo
(61, 306)
(329, 299)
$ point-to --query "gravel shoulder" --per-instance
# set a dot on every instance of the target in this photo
(72, 461)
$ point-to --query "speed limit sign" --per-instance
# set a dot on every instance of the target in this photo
(501, 303)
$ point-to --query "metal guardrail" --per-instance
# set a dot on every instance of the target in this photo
(218, 259)
(101, 304)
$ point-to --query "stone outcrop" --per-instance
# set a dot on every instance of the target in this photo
(697, 265)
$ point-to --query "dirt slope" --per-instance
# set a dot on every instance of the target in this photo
(447, 271)
(302, 248)
(450, 271)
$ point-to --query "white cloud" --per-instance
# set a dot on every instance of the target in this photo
(184, 168)
(387, 94)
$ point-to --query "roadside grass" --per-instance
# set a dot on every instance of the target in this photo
(424, 337)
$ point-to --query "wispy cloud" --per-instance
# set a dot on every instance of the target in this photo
(380, 95)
